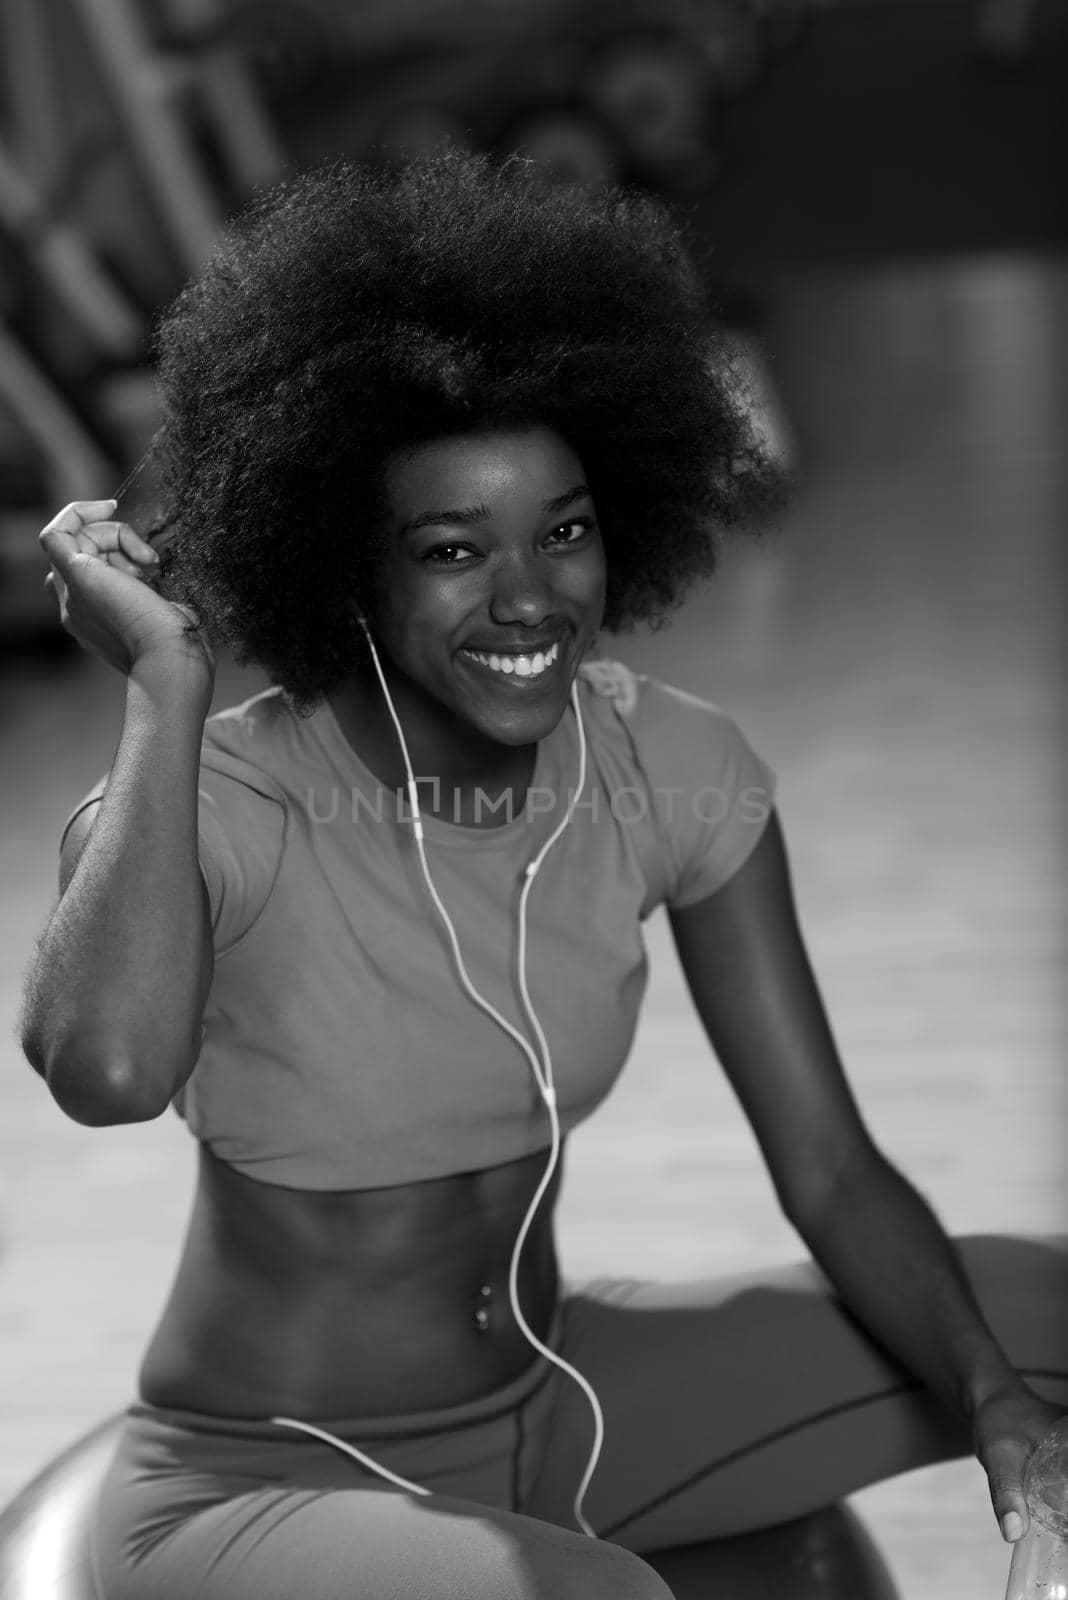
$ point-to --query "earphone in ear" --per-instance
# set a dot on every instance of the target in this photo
(368, 638)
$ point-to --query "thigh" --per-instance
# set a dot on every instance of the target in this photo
(732, 1404)
(190, 1536)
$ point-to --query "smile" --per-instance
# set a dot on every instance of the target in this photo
(518, 666)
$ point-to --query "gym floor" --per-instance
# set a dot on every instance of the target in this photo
(894, 651)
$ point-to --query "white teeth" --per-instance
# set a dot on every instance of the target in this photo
(522, 666)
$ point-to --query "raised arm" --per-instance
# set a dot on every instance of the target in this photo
(114, 999)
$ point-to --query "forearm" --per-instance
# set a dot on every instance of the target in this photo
(888, 1256)
(115, 998)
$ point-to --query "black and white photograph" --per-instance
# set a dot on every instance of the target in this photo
(532, 658)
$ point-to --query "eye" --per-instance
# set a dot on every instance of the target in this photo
(575, 531)
(442, 555)
(454, 554)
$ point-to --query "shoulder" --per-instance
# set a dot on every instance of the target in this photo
(245, 745)
(238, 756)
(244, 817)
(612, 681)
(707, 792)
(663, 724)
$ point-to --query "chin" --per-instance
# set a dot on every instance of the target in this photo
(526, 724)
(509, 712)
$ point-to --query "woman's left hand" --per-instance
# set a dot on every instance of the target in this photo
(1006, 1427)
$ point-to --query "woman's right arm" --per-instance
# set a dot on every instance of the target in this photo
(116, 993)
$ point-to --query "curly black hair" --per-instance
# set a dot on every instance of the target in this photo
(354, 311)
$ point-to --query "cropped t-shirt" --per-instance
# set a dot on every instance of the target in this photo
(339, 1049)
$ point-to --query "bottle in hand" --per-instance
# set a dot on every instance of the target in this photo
(1039, 1568)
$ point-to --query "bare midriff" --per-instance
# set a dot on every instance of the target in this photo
(352, 1303)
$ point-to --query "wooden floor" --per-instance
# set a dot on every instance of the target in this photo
(894, 652)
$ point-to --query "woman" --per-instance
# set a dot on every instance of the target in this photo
(376, 933)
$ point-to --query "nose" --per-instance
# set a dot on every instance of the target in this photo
(521, 594)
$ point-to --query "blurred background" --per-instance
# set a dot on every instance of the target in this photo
(877, 191)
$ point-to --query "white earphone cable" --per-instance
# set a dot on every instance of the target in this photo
(543, 1075)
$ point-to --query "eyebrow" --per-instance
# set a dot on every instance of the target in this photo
(465, 515)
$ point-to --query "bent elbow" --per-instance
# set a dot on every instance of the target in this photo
(105, 1095)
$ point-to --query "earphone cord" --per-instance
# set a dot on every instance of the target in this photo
(543, 1075)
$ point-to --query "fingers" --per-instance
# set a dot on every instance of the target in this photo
(1009, 1502)
(1004, 1447)
(76, 515)
(1010, 1426)
(60, 538)
(1005, 1460)
(119, 546)
(137, 549)
(84, 528)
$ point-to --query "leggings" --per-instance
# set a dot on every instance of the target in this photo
(729, 1404)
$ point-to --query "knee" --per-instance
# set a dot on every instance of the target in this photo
(549, 1563)
(599, 1571)
(1021, 1283)
(1006, 1263)
(623, 1575)
(827, 1555)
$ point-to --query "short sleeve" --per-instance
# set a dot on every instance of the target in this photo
(728, 796)
(95, 793)
(241, 836)
(710, 794)
(241, 823)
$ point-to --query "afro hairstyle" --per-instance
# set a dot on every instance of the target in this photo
(354, 312)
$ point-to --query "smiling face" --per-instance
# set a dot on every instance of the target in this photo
(492, 586)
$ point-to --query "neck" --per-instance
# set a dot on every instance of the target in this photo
(457, 769)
